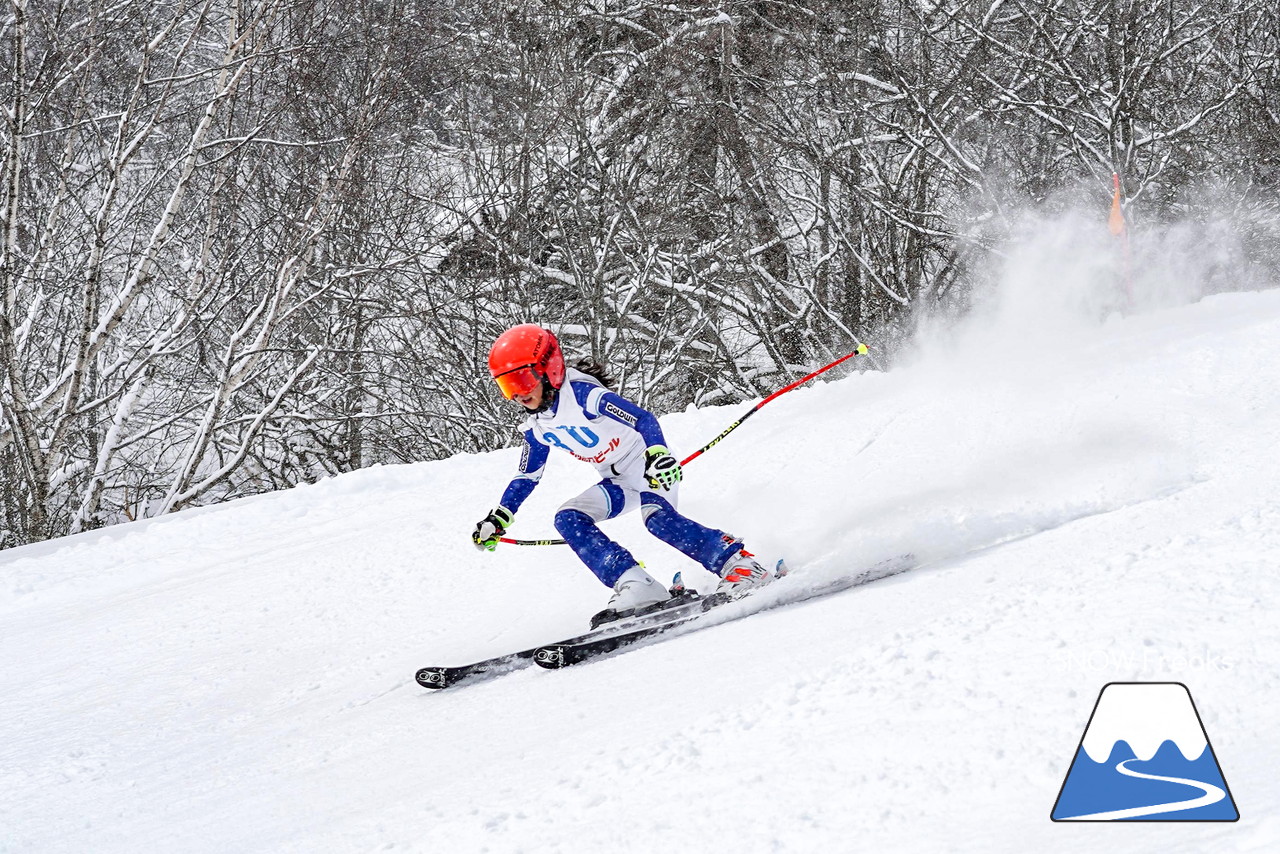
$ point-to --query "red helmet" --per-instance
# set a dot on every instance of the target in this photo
(523, 356)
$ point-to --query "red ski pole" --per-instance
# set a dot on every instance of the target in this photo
(860, 350)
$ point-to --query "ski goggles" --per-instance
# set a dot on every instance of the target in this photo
(518, 381)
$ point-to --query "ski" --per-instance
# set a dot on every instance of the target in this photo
(447, 677)
(574, 651)
(785, 590)
(685, 611)
(682, 603)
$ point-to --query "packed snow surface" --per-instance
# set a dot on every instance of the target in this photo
(1092, 499)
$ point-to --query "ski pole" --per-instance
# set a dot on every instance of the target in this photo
(860, 350)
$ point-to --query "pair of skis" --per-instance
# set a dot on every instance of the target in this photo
(683, 606)
(685, 611)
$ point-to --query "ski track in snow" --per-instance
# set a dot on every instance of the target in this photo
(1089, 502)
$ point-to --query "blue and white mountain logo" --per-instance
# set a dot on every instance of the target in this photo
(1145, 756)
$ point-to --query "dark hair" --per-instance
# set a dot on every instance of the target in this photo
(593, 368)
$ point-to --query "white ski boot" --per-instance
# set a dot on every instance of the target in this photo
(742, 573)
(634, 590)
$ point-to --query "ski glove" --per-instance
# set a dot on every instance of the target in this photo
(660, 468)
(493, 526)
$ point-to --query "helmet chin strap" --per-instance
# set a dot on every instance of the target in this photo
(549, 393)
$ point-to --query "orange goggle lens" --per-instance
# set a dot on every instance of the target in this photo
(520, 381)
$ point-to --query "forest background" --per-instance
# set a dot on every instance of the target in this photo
(246, 244)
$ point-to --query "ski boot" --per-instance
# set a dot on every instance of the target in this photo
(635, 592)
(741, 574)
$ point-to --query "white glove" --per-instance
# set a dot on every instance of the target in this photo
(660, 468)
(491, 527)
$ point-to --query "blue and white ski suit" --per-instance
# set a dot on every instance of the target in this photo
(599, 427)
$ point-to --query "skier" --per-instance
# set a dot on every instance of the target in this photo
(573, 409)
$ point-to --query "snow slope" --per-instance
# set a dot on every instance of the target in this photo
(1095, 501)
